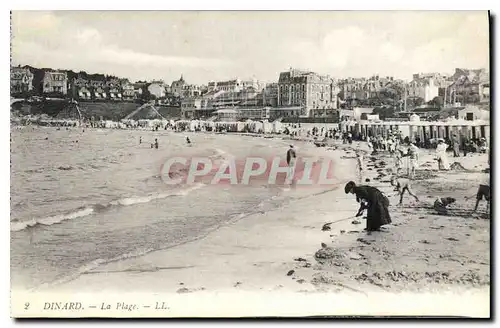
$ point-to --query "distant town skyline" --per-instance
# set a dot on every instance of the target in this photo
(204, 46)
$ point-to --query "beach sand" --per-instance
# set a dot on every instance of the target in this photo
(285, 251)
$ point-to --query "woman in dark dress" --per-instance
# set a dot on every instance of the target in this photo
(377, 205)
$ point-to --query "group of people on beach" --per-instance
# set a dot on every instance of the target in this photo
(377, 204)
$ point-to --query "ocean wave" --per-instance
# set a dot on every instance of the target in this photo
(17, 225)
(21, 225)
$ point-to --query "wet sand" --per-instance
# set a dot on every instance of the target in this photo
(285, 250)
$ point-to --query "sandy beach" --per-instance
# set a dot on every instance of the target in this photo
(285, 251)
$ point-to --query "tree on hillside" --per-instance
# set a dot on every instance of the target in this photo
(384, 112)
(413, 102)
(436, 102)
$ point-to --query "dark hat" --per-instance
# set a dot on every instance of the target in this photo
(348, 187)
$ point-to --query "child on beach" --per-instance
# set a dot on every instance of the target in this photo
(441, 205)
(482, 192)
(401, 186)
(413, 157)
(398, 161)
(359, 165)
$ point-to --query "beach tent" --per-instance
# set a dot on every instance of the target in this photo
(277, 127)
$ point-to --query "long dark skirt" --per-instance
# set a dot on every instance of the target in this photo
(378, 213)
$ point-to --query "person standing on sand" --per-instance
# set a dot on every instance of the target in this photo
(291, 158)
(156, 143)
(398, 161)
(376, 203)
(402, 185)
(456, 145)
(413, 157)
(441, 155)
(359, 162)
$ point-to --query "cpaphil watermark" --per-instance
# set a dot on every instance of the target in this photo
(249, 171)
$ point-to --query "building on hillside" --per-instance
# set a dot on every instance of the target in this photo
(196, 108)
(353, 88)
(55, 82)
(229, 86)
(128, 92)
(423, 87)
(279, 112)
(21, 80)
(177, 87)
(469, 87)
(308, 90)
(97, 84)
(199, 106)
(115, 93)
(270, 94)
(252, 83)
(235, 85)
(84, 93)
(100, 93)
(191, 90)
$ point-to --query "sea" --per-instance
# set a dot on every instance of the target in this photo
(81, 198)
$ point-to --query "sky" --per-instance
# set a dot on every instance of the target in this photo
(211, 45)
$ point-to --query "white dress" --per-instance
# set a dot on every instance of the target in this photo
(441, 154)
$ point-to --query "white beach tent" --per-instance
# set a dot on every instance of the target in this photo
(277, 127)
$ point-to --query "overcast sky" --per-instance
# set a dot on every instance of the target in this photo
(224, 45)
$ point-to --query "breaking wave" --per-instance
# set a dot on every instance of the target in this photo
(96, 208)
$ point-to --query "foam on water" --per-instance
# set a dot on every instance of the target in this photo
(89, 210)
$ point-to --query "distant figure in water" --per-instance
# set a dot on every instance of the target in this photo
(140, 140)
(401, 186)
(374, 201)
(156, 143)
(188, 141)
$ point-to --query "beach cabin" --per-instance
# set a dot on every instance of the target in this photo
(472, 113)
(428, 129)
